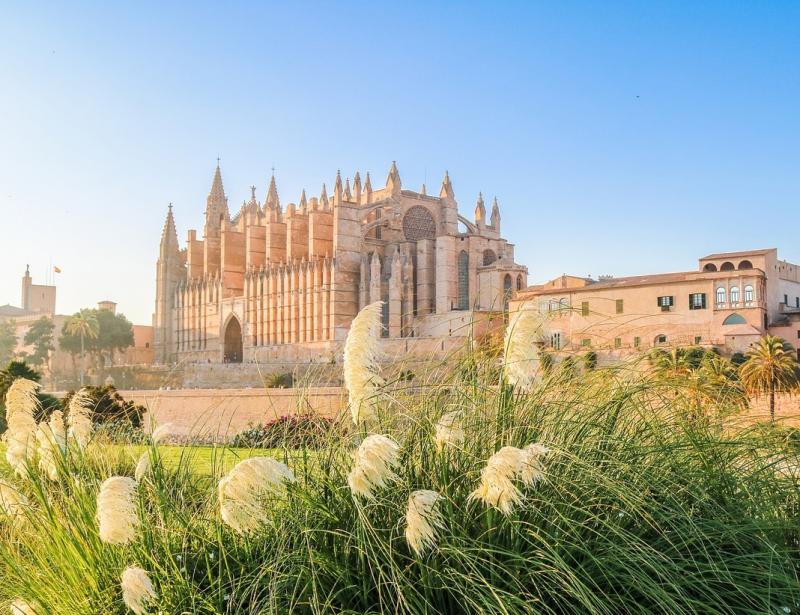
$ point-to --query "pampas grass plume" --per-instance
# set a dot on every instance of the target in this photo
(374, 465)
(243, 491)
(521, 347)
(162, 432)
(21, 607)
(142, 466)
(12, 502)
(21, 403)
(137, 589)
(422, 520)
(52, 438)
(361, 351)
(448, 430)
(79, 418)
(116, 510)
(509, 464)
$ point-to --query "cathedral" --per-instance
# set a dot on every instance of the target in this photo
(286, 282)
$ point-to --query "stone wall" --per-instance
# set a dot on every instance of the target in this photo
(220, 414)
(787, 409)
(315, 370)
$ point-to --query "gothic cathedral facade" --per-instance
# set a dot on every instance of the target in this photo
(287, 282)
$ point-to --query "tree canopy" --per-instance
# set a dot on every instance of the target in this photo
(104, 333)
(40, 336)
(8, 340)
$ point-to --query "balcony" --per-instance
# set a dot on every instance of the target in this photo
(739, 305)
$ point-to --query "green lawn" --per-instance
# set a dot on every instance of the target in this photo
(202, 458)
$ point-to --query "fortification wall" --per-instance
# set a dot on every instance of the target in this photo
(309, 365)
(221, 414)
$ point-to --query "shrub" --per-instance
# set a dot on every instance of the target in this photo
(110, 408)
(590, 360)
(295, 431)
(279, 380)
(737, 358)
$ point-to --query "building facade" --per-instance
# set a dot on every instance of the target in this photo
(287, 282)
(729, 302)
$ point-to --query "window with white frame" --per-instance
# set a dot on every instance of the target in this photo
(697, 301)
(734, 295)
(721, 293)
(749, 295)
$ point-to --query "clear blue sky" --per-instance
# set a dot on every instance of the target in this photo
(619, 138)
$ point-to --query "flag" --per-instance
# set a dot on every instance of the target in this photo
(56, 269)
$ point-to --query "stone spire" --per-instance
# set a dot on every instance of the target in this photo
(272, 201)
(357, 187)
(303, 201)
(337, 188)
(216, 204)
(447, 188)
(495, 219)
(169, 235)
(348, 196)
(367, 190)
(217, 190)
(323, 197)
(480, 211)
(393, 183)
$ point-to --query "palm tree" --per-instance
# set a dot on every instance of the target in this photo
(669, 364)
(84, 324)
(771, 366)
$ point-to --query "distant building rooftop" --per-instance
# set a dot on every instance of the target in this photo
(11, 311)
(738, 254)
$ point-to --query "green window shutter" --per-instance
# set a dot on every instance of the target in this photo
(584, 308)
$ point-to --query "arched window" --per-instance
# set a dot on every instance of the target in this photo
(563, 305)
(660, 340)
(508, 288)
(735, 295)
(552, 306)
(749, 295)
(489, 257)
(710, 267)
(727, 266)
(721, 296)
(463, 280)
(745, 265)
(734, 319)
(519, 282)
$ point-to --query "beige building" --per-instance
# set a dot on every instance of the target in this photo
(730, 301)
(273, 282)
(36, 301)
(39, 301)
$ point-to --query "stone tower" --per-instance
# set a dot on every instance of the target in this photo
(169, 272)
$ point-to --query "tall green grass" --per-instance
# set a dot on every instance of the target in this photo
(644, 509)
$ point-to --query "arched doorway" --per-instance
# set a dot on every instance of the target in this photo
(232, 349)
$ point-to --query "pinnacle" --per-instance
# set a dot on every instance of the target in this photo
(217, 189)
(272, 201)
